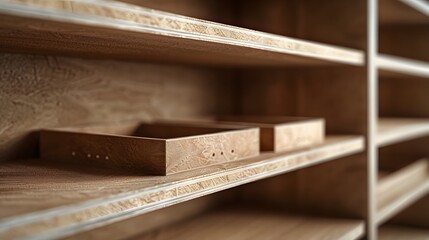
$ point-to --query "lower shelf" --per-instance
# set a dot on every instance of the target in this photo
(49, 201)
(398, 190)
(396, 232)
(258, 224)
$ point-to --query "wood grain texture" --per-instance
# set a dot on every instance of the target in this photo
(98, 197)
(409, 185)
(45, 92)
(301, 191)
(394, 130)
(318, 93)
(338, 178)
(336, 22)
(144, 223)
(158, 148)
(257, 224)
(398, 232)
(282, 133)
(117, 29)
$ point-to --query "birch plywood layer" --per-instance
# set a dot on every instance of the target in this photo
(254, 224)
(159, 148)
(109, 28)
(95, 198)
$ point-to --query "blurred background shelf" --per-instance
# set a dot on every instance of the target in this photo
(404, 12)
(391, 66)
(394, 130)
(258, 224)
(398, 232)
(398, 190)
(92, 198)
(118, 30)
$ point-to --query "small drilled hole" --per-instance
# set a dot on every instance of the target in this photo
(232, 151)
(221, 153)
(89, 155)
(214, 154)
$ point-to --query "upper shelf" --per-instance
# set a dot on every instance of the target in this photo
(391, 66)
(54, 201)
(124, 31)
(404, 12)
(394, 130)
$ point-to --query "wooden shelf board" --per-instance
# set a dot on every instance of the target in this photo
(394, 130)
(391, 66)
(120, 30)
(258, 224)
(401, 189)
(397, 232)
(404, 12)
(52, 201)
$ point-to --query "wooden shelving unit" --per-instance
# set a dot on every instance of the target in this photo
(402, 133)
(361, 68)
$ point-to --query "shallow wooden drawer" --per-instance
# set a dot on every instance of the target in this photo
(283, 133)
(155, 148)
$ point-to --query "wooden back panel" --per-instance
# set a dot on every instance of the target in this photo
(44, 91)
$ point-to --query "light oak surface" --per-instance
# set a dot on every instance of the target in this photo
(159, 148)
(400, 189)
(394, 130)
(79, 199)
(112, 29)
(257, 224)
(395, 66)
(282, 133)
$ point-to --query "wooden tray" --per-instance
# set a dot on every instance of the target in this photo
(160, 148)
(283, 133)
